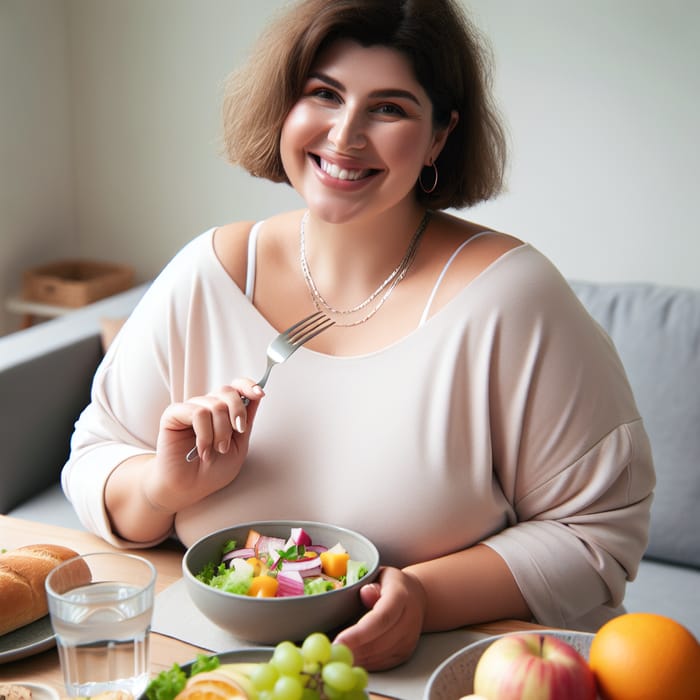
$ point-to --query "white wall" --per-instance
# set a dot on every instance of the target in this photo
(148, 82)
(36, 168)
(601, 99)
(603, 102)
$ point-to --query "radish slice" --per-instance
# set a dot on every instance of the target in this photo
(300, 536)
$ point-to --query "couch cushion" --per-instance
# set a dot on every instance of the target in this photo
(45, 377)
(666, 589)
(42, 397)
(657, 333)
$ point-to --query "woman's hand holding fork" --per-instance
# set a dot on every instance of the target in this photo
(220, 423)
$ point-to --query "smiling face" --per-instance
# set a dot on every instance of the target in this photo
(355, 142)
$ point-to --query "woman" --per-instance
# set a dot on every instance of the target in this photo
(464, 412)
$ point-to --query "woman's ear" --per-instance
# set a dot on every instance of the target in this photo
(440, 137)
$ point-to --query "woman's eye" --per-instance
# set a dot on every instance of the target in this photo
(323, 93)
(390, 110)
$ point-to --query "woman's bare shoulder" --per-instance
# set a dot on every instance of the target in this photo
(231, 248)
(463, 229)
(469, 253)
(484, 245)
(231, 242)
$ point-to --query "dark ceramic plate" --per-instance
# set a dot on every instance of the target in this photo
(257, 655)
(28, 640)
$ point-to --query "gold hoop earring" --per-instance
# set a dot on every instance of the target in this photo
(429, 190)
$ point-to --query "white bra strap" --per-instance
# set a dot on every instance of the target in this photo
(431, 298)
(252, 256)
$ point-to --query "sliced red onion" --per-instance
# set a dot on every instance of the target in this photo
(243, 553)
(318, 548)
(289, 583)
(306, 567)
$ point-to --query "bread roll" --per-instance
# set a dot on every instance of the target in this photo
(14, 692)
(22, 575)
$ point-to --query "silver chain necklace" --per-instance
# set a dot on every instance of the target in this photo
(387, 286)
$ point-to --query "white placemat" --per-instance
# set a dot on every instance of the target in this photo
(175, 615)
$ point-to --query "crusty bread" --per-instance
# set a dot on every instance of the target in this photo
(23, 572)
(10, 691)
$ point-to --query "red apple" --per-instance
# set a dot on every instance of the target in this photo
(532, 666)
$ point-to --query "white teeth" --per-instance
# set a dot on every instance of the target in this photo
(341, 173)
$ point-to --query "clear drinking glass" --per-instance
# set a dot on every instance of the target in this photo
(101, 606)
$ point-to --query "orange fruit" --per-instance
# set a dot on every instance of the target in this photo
(204, 691)
(640, 656)
(212, 685)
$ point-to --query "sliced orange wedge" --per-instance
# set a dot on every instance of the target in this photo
(212, 685)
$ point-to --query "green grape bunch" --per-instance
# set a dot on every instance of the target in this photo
(316, 670)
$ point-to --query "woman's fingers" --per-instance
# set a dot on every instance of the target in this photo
(228, 414)
(218, 416)
(389, 632)
(215, 417)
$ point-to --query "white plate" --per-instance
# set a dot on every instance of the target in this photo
(28, 640)
(453, 678)
(40, 691)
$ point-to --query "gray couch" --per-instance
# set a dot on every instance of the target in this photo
(45, 375)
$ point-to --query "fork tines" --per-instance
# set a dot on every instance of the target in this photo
(308, 328)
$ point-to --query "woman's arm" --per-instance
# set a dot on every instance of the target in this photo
(471, 586)
(133, 516)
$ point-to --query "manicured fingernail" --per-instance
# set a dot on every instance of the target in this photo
(223, 447)
(257, 390)
(206, 453)
(239, 424)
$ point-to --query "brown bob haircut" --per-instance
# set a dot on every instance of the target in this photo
(449, 60)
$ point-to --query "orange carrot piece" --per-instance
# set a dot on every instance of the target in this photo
(252, 539)
(263, 587)
(334, 564)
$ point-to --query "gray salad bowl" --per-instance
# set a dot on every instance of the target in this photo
(272, 620)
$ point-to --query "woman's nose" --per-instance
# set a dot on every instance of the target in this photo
(347, 130)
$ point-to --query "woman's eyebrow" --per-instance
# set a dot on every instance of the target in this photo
(388, 92)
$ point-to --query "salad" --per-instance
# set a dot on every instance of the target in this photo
(275, 567)
(168, 684)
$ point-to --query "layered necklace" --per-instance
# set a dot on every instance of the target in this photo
(345, 317)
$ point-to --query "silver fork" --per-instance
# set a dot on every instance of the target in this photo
(282, 347)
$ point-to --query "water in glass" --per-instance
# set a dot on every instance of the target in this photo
(102, 632)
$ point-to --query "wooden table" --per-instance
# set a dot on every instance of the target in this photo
(167, 559)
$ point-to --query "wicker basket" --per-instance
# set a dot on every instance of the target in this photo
(75, 283)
